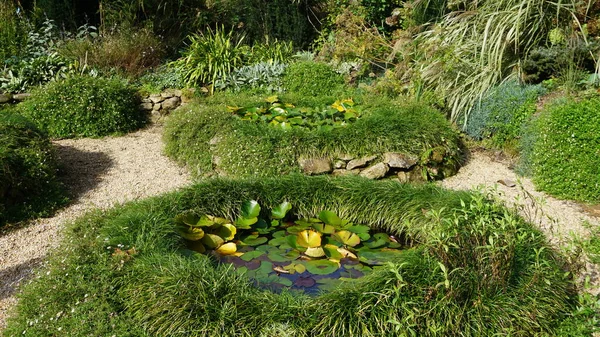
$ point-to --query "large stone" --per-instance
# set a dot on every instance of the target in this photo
(171, 103)
(314, 166)
(376, 171)
(403, 176)
(156, 98)
(346, 157)
(215, 140)
(157, 107)
(146, 106)
(21, 97)
(361, 162)
(400, 160)
(340, 164)
(166, 94)
(341, 173)
(5, 98)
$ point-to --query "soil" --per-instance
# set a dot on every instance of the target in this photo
(103, 172)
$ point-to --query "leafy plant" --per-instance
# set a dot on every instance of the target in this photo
(13, 31)
(84, 106)
(31, 72)
(566, 157)
(29, 186)
(287, 116)
(312, 79)
(263, 75)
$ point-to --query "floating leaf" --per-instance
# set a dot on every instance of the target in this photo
(279, 256)
(279, 234)
(347, 238)
(379, 240)
(190, 233)
(250, 209)
(278, 241)
(315, 252)
(197, 246)
(358, 229)
(266, 248)
(227, 232)
(227, 249)
(324, 228)
(321, 267)
(332, 252)
(212, 241)
(308, 239)
(330, 218)
(205, 221)
(254, 240)
(304, 282)
(275, 223)
(245, 223)
(280, 211)
(188, 218)
(347, 254)
(379, 257)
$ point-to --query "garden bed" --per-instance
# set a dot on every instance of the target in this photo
(243, 136)
(473, 269)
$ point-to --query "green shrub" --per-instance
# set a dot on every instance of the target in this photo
(247, 149)
(28, 183)
(566, 158)
(312, 79)
(83, 106)
(500, 115)
(159, 79)
(13, 31)
(474, 269)
(263, 76)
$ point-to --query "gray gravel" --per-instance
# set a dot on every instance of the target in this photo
(100, 173)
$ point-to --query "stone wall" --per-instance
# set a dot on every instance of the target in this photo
(159, 105)
(13, 98)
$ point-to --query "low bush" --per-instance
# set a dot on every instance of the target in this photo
(199, 134)
(83, 106)
(263, 76)
(28, 182)
(474, 268)
(566, 155)
(312, 79)
(499, 117)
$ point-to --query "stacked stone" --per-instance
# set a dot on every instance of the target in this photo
(163, 103)
(13, 98)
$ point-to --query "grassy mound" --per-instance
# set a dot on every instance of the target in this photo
(309, 78)
(28, 184)
(248, 149)
(83, 106)
(566, 154)
(475, 269)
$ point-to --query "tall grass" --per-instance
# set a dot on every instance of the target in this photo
(13, 31)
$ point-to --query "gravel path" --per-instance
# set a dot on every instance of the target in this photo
(99, 174)
(561, 220)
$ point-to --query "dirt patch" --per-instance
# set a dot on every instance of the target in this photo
(99, 173)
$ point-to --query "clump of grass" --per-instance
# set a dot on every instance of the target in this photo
(28, 172)
(249, 149)
(474, 269)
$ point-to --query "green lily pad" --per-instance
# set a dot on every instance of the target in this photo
(278, 241)
(347, 238)
(190, 233)
(254, 240)
(251, 255)
(324, 228)
(379, 257)
(187, 218)
(279, 256)
(280, 211)
(331, 251)
(197, 246)
(275, 223)
(358, 229)
(212, 241)
(379, 240)
(279, 234)
(266, 248)
(205, 221)
(245, 223)
(321, 267)
(308, 239)
(250, 209)
(227, 232)
(330, 218)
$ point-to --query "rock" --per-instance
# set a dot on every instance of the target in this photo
(146, 106)
(216, 161)
(399, 160)
(404, 177)
(21, 97)
(214, 140)
(188, 96)
(146, 100)
(314, 166)
(346, 157)
(507, 182)
(166, 94)
(157, 107)
(341, 173)
(156, 98)
(171, 103)
(4, 98)
(438, 154)
(376, 171)
(361, 162)
(340, 164)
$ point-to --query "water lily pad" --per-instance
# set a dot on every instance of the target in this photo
(254, 240)
(251, 255)
(330, 218)
(331, 251)
(275, 223)
(197, 246)
(190, 233)
(280, 211)
(188, 218)
(304, 282)
(245, 223)
(278, 241)
(321, 267)
(379, 257)
(227, 249)
(279, 234)
(346, 237)
(212, 241)
(227, 231)
(315, 252)
(279, 256)
(250, 209)
(358, 229)
(379, 240)
(308, 239)
(324, 228)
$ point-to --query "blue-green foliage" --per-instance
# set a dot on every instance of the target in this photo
(263, 75)
(501, 114)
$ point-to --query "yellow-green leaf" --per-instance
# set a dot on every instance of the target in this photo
(309, 239)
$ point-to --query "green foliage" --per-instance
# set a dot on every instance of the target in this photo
(27, 73)
(161, 78)
(312, 79)
(263, 76)
(286, 116)
(128, 262)
(13, 31)
(199, 133)
(28, 178)
(83, 106)
(501, 114)
(566, 159)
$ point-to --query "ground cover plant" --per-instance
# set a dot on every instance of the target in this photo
(566, 157)
(197, 134)
(309, 78)
(28, 171)
(84, 106)
(473, 268)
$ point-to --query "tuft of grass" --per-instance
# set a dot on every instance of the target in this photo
(249, 149)
(84, 106)
(474, 269)
(28, 172)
